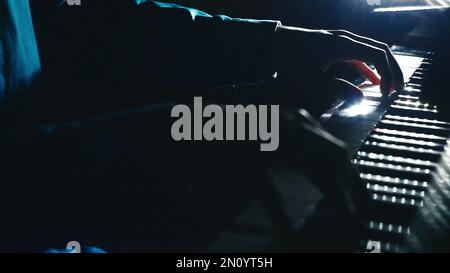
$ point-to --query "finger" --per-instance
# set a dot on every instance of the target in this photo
(398, 79)
(397, 72)
(368, 73)
(353, 49)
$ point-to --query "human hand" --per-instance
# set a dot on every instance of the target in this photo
(302, 52)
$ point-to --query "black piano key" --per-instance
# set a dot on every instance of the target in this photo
(395, 160)
(389, 228)
(409, 97)
(432, 112)
(414, 85)
(416, 104)
(401, 150)
(399, 204)
(412, 90)
(425, 66)
(420, 73)
(395, 191)
(395, 170)
(407, 141)
(416, 80)
(408, 110)
(394, 181)
(394, 209)
(419, 120)
(410, 134)
(387, 232)
(414, 127)
(405, 110)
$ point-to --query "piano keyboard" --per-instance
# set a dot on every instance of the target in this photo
(398, 158)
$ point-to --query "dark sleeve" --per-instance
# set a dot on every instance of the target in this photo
(150, 41)
(206, 50)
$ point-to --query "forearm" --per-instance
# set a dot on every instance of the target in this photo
(205, 50)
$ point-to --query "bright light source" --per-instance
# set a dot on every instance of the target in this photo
(409, 8)
(399, 6)
(362, 108)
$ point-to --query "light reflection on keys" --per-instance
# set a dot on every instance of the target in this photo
(409, 97)
(395, 191)
(392, 167)
(362, 108)
(405, 141)
(380, 226)
(415, 86)
(409, 134)
(434, 110)
(402, 147)
(384, 179)
(395, 159)
(411, 89)
(414, 124)
(401, 201)
(411, 103)
(423, 120)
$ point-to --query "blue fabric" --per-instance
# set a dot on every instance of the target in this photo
(194, 12)
(2, 71)
(86, 250)
(20, 58)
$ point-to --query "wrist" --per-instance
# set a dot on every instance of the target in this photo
(293, 42)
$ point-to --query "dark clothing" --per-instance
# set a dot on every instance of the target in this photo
(173, 44)
(120, 182)
(112, 53)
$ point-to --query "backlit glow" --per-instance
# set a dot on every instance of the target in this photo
(362, 108)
